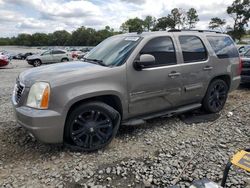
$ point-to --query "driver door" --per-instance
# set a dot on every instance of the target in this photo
(158, 86)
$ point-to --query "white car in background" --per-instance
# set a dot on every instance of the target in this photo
(48, 57)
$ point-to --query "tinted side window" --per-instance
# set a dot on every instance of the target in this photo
(58, 52)
(223, 46)
(46, 53)
(162, 48)
(192, 49)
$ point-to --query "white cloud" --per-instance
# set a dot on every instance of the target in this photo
(49, 15)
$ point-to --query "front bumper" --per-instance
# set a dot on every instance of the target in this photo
(46, 126)
(30, 62)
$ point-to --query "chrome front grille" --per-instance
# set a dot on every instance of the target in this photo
(18, 91)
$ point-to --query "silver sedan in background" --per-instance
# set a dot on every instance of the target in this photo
(47, 57)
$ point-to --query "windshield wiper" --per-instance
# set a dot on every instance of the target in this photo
(96, 61)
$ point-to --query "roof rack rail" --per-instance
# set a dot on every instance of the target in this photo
(198, 30)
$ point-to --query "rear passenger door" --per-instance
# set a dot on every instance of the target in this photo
(57, 55)
(196, 67)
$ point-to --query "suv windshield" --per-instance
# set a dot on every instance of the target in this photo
(113, 51)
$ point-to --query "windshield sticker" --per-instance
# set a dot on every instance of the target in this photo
(132, 38)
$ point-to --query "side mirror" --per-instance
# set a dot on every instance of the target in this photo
(145, 60)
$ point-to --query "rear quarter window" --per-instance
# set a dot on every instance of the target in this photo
(58, 52)
(223, 46)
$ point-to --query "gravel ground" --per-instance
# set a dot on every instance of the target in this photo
(162, 152)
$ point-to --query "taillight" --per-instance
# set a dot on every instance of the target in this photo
(240, 66)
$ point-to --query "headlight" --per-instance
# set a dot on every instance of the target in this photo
(39, 95)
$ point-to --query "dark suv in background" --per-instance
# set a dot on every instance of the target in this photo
(245, 74)
(126, 79)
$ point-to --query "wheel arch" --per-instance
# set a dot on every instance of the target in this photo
(37, 59)
(224, 77)
(112, 100)
(64, 58)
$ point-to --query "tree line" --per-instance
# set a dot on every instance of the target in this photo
(178, 18)
(80, 37)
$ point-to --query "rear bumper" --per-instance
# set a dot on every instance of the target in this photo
(46, 126)
(235, 83)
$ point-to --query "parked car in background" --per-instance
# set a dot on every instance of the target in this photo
(84, 51)
(76, 53)
(47, 57)
(247, 54)
(4, 60)
(22, 56)
(243, 48)
(82, 55)
(245, 74)
(7, 54)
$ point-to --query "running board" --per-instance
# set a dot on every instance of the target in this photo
(169, 113)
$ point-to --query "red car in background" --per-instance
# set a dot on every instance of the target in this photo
(4, 61)
(76, 53)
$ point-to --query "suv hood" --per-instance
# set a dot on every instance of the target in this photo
(61, 72)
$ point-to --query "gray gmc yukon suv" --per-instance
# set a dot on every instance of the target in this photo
(126, 79)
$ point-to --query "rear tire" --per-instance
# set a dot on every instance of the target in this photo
(216, 96)
(91, 126)
(64, 60)
(37, 63)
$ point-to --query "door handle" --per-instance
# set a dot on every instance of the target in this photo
(174, 74)
(207, 68)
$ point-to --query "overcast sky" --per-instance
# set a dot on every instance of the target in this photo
(29, 16)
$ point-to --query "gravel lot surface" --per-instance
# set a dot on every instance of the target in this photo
(149, 155)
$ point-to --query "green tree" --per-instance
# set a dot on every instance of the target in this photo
(133, 25)
(103, 34)
(163, 23)
(217, 23)
(23, 39)
(149, 22)
(192, 18)
(176, 17)
(39, 39)
(240, 12)
(59, 38)
(6, 41)
(81, 36)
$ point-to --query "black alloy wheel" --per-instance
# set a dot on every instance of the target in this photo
(216, 96)
(92, 126)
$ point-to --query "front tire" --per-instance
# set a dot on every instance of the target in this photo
(216, 96)
(37, 63)
(91, 126)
